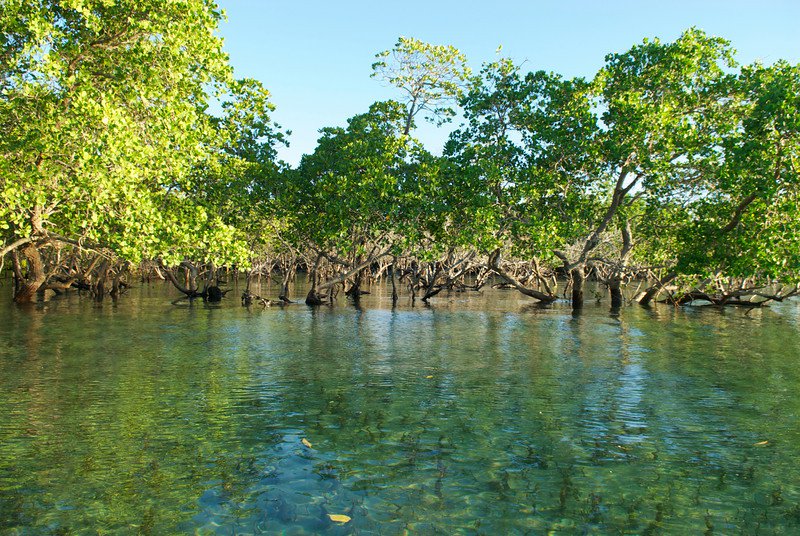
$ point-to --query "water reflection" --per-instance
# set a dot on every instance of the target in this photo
(496, 417)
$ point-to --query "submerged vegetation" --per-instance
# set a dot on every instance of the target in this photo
(670, 175)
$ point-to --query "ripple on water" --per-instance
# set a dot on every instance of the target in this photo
(452, 419)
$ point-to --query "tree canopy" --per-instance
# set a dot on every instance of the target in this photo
(671, 165)
(105, 106)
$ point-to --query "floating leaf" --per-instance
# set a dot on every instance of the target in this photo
(306, 442)
(339, 518)
(760, 443)
(428, 377)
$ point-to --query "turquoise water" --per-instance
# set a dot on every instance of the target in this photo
(479, 415)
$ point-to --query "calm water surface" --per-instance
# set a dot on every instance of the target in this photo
(478, 415)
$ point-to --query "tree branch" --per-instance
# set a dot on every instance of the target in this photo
(14, 245)
(354, 271)
(737, 214)
(494, 264)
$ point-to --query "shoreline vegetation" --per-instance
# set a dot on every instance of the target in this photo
(670, 176)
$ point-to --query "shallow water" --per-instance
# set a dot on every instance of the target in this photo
(480, 414)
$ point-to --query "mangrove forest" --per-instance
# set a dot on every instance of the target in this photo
(131, 151)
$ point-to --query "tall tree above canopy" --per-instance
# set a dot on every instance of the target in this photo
(432, 76)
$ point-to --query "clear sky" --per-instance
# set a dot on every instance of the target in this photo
(315, 56)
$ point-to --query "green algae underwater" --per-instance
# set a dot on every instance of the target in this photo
(476, 415)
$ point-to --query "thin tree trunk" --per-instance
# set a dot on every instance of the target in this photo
(410, 117)
(191, 276)
(312, 298)
(115, 285)
(413, 281)
(355, 289)
(615, 284)
(354, 270)
(395, 296)
(191, 293)
(287, 276)
(157, 271)
(430, 292)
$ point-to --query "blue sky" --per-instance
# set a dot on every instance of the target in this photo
(315, 56)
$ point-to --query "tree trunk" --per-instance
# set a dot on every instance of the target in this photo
(576, 276)
(115, 285)
(312, 298)
(394, 281)
(353, 271)
(616, 292)
(100, 285)
(288, 273)
(412, 109)
(211, 291)
(30, 285)
(174, 280)
(157, 271)
(414, 280)
(191, 276)
(314, 275)
(430, 292)
(616, 277)
(355, 289)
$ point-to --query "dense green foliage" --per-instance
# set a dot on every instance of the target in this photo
(363, 186)
(104, 110)
(109, 145)
(673, 162)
